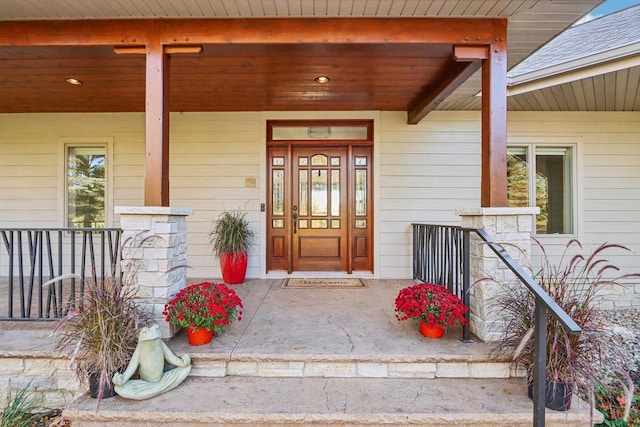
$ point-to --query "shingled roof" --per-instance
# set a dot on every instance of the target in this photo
(600, 35)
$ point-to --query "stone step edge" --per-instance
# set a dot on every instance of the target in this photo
(342, 366)
(345, 369)
(144, 418)
(353, 401)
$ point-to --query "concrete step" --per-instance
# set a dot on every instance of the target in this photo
(268, 401)
(343, 366)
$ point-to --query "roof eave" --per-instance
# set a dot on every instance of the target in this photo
(622, 57)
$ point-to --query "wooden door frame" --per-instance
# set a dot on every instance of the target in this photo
(284, 148)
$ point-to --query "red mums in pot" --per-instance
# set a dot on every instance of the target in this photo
(211, 306)
(433, 304)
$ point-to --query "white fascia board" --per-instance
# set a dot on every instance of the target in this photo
(572, 71)
(625, 51)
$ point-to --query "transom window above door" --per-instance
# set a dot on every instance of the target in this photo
(344, 130)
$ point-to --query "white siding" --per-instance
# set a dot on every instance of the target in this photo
(423, 173)
(28, 172)
(608, 198)
(608, 173)
(426, 172)
(211, 155)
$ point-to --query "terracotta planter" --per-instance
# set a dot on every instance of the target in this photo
(234, 267)
(431, 331)
(199, 336)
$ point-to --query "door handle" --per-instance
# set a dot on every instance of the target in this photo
(295, 220)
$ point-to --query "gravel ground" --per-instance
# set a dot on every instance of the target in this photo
(624, 326)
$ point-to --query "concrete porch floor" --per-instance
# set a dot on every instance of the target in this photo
(317, 356)
(358, 323)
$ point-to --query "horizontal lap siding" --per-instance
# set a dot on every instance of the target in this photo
(609, 198)
(31, 165)
(28, 179)
(211, 156)
(426, 172)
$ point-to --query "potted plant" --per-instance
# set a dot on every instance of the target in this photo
(204, 309)
(231, 238)
(574, 362)
(100, 333)
(434, 305)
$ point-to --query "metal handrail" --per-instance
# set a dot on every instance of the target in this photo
(567, 322)
(544, 304)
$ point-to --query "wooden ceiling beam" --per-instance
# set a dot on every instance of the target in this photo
(432, 97)
(129, 32)
(470, 53)
(130, 50)
(170, 50)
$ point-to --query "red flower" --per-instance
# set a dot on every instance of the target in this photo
(209, 305)
(433, 304)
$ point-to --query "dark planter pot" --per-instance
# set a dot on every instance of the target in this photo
(234, 267)
(94, 387)
(557, 395)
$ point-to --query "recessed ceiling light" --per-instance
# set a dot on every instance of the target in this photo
(73, 81)
(322, 79)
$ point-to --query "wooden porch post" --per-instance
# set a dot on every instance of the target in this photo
(494, 124)
(156, 181)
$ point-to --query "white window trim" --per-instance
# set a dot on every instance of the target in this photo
(539, 140)
(63, 144)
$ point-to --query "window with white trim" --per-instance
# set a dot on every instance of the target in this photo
(542, 176)
(86, 185)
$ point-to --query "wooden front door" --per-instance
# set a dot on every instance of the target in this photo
(319, 207)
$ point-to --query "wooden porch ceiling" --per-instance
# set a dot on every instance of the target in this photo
(256, 64)
(244, 65)
(44, 41)
(227, 77)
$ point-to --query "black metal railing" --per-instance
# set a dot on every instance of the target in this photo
(442, 243)
(439, 257)
(43, 271)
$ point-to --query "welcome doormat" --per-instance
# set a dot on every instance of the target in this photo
(323, 283)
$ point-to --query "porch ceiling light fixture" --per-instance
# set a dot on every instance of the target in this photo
(322, 79)
(73, 81)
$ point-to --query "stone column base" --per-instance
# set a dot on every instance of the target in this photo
(154, 256)
(511, 227)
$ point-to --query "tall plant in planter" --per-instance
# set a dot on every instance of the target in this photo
(231, 238)
(574, 362)
(100, 333)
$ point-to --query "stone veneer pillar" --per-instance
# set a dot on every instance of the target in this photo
(511, 227)
(154, 256)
